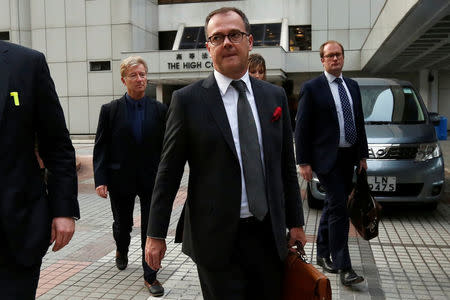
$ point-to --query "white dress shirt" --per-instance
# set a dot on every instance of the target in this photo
(230, 98)
(337, 101)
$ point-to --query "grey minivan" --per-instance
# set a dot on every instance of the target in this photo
(405, 161)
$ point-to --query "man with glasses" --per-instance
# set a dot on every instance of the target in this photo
(126, 156)
(235, 133)
(331, 140)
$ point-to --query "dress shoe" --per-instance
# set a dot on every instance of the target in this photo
(349, 277)
(121, 260)
(326, 264)
(155, 288)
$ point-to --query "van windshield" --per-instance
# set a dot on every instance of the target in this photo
(391, 105)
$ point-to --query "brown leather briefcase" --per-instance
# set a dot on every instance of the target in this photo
(302, 280)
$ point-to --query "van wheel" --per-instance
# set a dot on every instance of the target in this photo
(313, 202)
(430, 206)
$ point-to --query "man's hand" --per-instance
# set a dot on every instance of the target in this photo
(305, 172)
(296, 234)
(362, 165)
(102, 191)
(62, 232)
(155, 249)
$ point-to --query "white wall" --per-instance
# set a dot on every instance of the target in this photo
(347, 21)
(193, 14)
(71, 33)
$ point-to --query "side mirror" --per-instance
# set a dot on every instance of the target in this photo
(435, 118)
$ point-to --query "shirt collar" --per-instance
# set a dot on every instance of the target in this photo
(132, 101)
(331, 77)
(224, 82)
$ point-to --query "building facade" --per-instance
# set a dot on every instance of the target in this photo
(85, 40)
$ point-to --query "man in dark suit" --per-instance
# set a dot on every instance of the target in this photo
(330, 140)
(126, 156)
(234, 131)
(32, 214)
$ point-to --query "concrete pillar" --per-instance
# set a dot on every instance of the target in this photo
(434, 91)
(424, 87)
(284, 38)
(176, 43)
(159, 92)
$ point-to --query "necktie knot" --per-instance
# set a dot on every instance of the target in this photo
(338, 80)
(239, 85)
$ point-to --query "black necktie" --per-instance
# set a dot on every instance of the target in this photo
(250, 154)
(349, 125)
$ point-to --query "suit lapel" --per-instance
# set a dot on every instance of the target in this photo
(265, 112)
(354, 96)
(213, 101)
(151, 116)
(4, 77)
(329, 96)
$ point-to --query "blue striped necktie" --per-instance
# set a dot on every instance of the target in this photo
(349, 124)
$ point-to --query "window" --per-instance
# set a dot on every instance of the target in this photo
(300, 37)
(266, 34)
(96, 66)
(4, 35)
(193, 38)
(166, 39)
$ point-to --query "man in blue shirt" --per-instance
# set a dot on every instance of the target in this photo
(126, 156)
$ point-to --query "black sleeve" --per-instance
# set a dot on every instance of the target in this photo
(170, 170)
(55, 146)
(101, 147)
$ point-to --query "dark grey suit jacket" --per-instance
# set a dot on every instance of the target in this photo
(27, 206)
(198, 132)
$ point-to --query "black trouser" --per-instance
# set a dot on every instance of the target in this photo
(332, 237)
(255, 271)
(18, 282)
(122, 209)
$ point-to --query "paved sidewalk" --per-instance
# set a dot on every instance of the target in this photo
(409, 260)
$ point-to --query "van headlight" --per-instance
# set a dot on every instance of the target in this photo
(428, 151)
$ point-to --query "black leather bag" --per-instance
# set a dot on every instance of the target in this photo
(364, 210)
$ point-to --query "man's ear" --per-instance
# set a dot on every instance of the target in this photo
(250, 42)
(123, 81)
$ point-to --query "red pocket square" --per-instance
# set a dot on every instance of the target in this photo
(276, 114)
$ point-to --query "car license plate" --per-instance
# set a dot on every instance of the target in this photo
(382, 183)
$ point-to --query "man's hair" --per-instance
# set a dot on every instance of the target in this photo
(224, 10)
(330, 42)
(131, 61)
(255, 60)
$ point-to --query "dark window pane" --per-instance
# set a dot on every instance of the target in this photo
(166, 39)
(266, 34)
(299, 37)
(272, 34)
(4, 35)
(100, 65)
(193, 38)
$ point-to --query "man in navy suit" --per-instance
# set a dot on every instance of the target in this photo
(126, 156)
(331, 140)
(33, 214)
(234, 131)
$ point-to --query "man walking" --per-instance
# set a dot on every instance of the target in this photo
(126, 156)
(330, 140)
(243, 193)
(32, 214)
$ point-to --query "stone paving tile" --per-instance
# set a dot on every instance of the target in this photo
(410, 259)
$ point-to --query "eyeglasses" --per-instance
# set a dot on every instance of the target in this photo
(331, 56)
(134, 76)
(235, 37)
